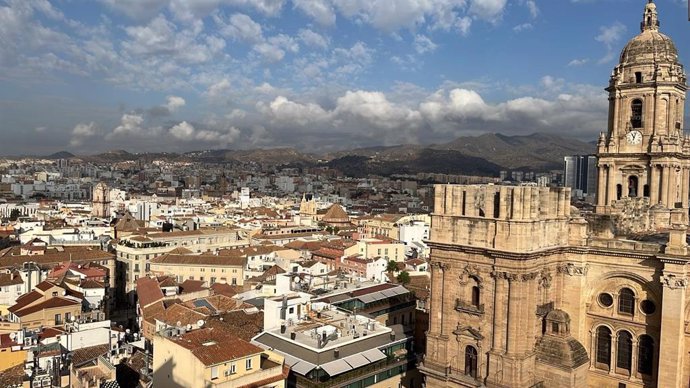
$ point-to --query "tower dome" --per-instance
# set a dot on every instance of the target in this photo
(650, 46)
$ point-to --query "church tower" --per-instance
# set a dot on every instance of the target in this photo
(644, 158)
(100, 201)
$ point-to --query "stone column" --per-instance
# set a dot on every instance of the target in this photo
(633, 364)
(674, 282)
(500, 313)
(673, 176)
(614, 353)
(611, 185)
(601, 185)
(685, 187)
(664, 184)
(654, 185)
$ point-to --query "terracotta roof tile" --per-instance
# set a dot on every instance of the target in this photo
(148, 291)
(215, 345)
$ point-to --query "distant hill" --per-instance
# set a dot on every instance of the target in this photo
(535, 151)
(61, 155)
(472, 155)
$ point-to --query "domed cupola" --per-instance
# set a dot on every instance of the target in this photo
(650, 46)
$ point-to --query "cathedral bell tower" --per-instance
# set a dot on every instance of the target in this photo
(644, 156)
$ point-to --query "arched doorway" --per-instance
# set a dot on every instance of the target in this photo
(471, 361)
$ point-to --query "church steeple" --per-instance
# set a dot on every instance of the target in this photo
(645, 157)
(650, 19)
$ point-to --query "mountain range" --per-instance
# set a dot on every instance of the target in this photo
(472, 155)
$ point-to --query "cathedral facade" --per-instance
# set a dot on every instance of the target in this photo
(527, 291)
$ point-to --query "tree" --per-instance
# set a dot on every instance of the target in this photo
(392, 266)
(404, 278)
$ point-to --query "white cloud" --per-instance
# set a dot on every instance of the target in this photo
(241, 27)
(491, 10)
(218, 89)
(523, 27)
(392, 15)
(609, 36)
(532, 7)
(183, 131)
(313, 39)
(81, 132)
(422, 44)
(321, 11)
(187, 132)
(131, 126)
(174, 103)
(578, 62)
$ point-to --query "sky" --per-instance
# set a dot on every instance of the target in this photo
(89, 76)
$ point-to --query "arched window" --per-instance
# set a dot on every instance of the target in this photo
(632, 186)
(471, 361)
(626, 301)
(645, 356)
(636, 114)
(624, 350)
(475, 292)
(603, 347)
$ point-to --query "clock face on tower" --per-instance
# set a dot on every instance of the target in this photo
(634, 137)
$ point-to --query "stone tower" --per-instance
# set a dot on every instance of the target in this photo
(100, 201)
(527, 292)
(644, 157)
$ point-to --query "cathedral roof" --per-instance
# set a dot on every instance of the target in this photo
(336, 213)
(650, 46)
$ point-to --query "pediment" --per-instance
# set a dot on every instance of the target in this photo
(468, 331)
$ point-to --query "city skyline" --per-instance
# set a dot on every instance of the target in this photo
(177, 76)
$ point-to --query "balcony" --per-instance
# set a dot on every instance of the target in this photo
(469, 308)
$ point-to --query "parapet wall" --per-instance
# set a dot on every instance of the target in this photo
(511, 218)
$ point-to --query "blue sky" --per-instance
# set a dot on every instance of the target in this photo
(179, 75)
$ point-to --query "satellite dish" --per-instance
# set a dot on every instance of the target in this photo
(73, 318)
(178, 324)
(127, 331)
(200, 323)
(13, 336)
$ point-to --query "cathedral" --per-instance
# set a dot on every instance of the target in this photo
(528, 291)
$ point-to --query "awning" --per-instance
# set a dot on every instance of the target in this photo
(356, 360)
(336, 367)
(373, 355)
(302, 367)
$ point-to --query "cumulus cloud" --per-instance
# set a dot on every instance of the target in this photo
(185, 131)
(313, 39)
(131, 125)
(491, 10)
(174, 103)
(321, 11)
(578, 62)
(81, 132)
(240, 27)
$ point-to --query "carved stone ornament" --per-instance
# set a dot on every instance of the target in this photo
(545, 280)
(673, 282)
(470, 271)
(573, 270)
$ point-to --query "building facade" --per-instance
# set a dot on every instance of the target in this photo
(526, 291)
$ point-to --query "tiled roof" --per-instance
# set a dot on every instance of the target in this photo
(336, 213)
(215, 345)
(182, 314)
(10, 279)
(191, 286)
(11, 257)
(226, 289)
(244, 325)
(54, 302)
(25, 300)
(83, 355)
(148, 291)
